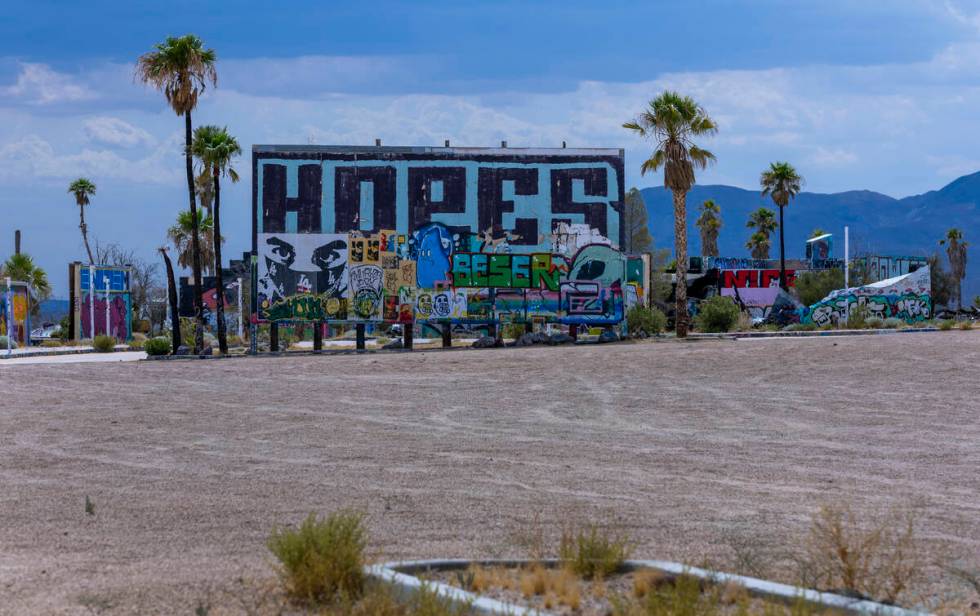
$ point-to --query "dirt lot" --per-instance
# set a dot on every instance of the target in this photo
(692, 447)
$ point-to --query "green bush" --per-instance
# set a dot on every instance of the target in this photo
(512, 330)
(649, 321)
(323, 559)
(716, 314)
(3, 343)
(893, 323)
(157, 346)
(50, 344)
(947, 325)
(104, 344)
(592, 552)
(811, 287)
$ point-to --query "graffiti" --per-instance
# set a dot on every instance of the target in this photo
(907, 297)
(755, 278)
(15, 313)
(85, 312)
(402, 234)
(366, 282)
(536, 271)
(883, 267)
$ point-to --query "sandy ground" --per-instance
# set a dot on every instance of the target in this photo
(692, 448)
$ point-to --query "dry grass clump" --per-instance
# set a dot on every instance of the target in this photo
(593, 552)
(965, 325)
(323, 559)
(557, 586)
(870, 558)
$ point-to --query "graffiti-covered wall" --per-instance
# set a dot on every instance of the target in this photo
(905, 297)
(110, 285)
(15, 312)
(443, 234)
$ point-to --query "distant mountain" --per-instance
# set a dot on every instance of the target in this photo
(878, 223)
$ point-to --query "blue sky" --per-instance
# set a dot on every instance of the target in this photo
(877, 95)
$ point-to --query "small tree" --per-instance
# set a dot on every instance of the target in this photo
(637, 233)
(956, 252)
(781, 182)
(759, 245)
(709, 224)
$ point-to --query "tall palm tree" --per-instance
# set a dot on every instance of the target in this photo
(782, 183)
(181, 235)
(83, 188)
(204, 187)
(709, 223)
(215, 148)
(175, 338)
(181, 68)
(759, 245)
(673, 122)
(956, 252)
(763, 221)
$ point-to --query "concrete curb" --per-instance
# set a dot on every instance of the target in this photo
(400, 575)
(813, 334)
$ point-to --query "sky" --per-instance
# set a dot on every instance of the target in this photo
(857, 95)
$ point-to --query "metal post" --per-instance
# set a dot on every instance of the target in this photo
(91, 302)
(359, 330)
(274, 337)
(573, 331)
(317, 336)
(447, 335)
(847, 271)
(105, 281)
(408, 336)
(241, 323)
(10, 315)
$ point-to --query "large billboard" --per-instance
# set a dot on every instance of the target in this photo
(101, 301)
(481, 235)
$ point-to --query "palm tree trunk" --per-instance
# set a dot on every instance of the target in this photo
(681, 317)
(84, 228)
(782, 253)
(195, 240)
(175, 338)
(218, 278)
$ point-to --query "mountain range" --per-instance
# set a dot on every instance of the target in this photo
(879, 224)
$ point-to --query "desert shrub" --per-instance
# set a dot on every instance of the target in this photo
(858, 318)
(802, 327)
(592, 551)
(104, 344)
(716, 315)
(512, 330)
(51, 344)
(947, 325)
(649, 321)
(872, 557)
(142, 326)
(323, 559)
(3, 343)
(157, 346)
(874, 323)
(234, 341)
(893, 323)
(137, 344)
(965, 325)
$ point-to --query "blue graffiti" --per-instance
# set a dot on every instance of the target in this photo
(432, 249)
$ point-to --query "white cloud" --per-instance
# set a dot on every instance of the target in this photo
(39, 84)
(825, 157)
(113, 131)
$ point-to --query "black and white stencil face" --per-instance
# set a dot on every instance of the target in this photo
(296, 263)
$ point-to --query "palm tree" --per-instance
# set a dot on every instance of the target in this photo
(83, 188)
(204, 187)
(181, 68)
(759, 245)
(21, 267)
(673, 121)
(782, 183)
(817, 233)
(763, 220)
(709, 223)
(215, 148)
(175, 338)
(181, 234)
(956, 252)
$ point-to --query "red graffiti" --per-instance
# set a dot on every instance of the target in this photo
(755, 278)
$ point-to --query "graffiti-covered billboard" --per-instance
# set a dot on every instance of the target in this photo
(392, 234)
(15, 312)
(101, 301)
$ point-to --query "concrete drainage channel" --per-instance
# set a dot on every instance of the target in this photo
(404, 577)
